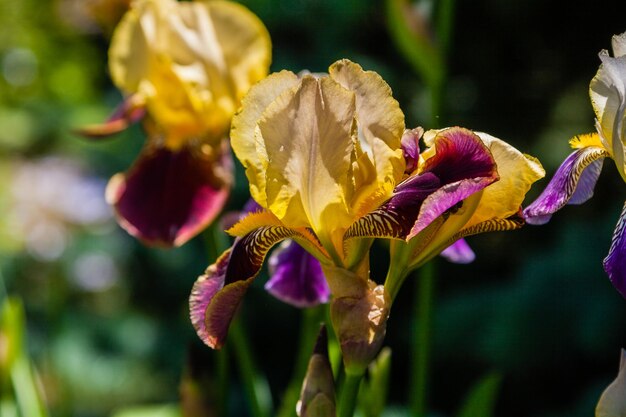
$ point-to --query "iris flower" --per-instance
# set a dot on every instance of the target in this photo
(574, 181)
(325, 160)
(183, 68)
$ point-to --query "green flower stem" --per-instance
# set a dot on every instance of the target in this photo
(255, 386)
(421, 340)
(310, 324)
(348, 395)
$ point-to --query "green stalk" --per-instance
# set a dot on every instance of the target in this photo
(255, 386)
(348, 395)
(223, 380)
(310, 324)
(421, 342)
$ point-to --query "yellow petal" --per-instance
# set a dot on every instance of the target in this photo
(517, 173)
(380, 124)
(242, 134)
(193, 62)
(307, 135)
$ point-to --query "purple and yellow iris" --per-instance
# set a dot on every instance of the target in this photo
(574, 181)
(327, 163)
(184, 68)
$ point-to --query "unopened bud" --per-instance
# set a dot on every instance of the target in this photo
(317, 398)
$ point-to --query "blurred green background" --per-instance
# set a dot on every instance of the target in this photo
(107, 318)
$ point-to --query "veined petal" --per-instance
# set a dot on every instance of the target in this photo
(242, 134)
(307, 135)
(573, 183)
(168, 197)
(615, 262)
(216, 294)
(459, 253)
(380, 124)
(296, 277)
(459, 167)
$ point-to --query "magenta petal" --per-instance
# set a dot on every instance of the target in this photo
(296, 277)
(615, 262)
(573, 183)
(459, 253)
(170, 196)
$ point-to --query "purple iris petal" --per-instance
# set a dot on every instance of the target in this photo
(168, 197)
(296, 277)
(573, 183)
(615, 262)
(459, 253)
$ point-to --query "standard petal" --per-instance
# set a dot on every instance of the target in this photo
(307, 135)
(296, 277)
(380, 125)
(607, 91)
(615, 262)
(411, 149)
(242, 134)
(459, 253)
(216, 294)
(573, 183)
(168, 197)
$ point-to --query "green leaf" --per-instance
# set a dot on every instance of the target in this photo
(481, 400)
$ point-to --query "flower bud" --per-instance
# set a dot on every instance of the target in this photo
(317, 398)
(613, 400)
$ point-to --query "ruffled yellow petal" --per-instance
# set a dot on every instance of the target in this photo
(379, 165)
(253, 157)
(307, 133)
(192, 61)
(517, 172)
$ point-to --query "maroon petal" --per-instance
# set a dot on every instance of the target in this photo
(128, 112)
(573, 183)
(296, 277)
(615, 262)
(459, 253)
(170, 196)
(217, 294)
(461, 167)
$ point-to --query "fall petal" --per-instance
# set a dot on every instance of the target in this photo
(168, 197)
(573, 183)
(615, 262)
(217, 294)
